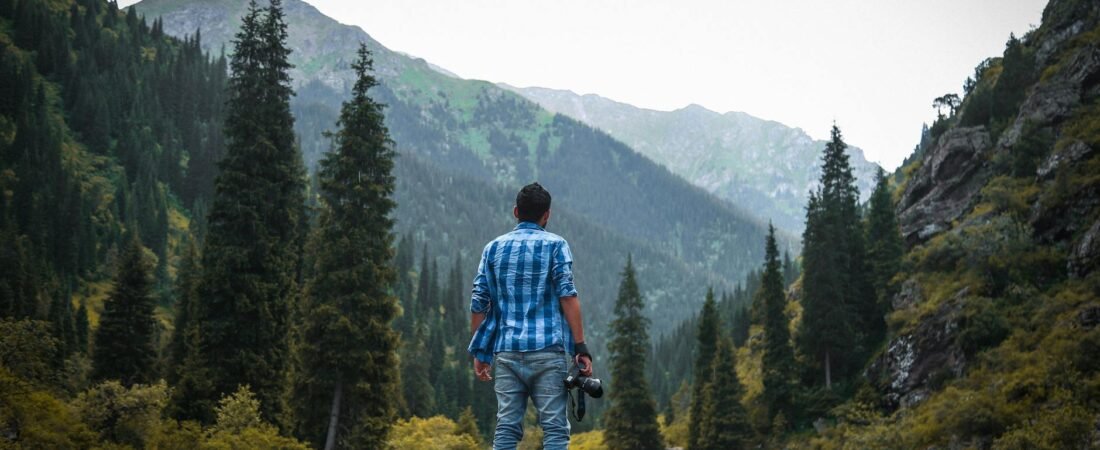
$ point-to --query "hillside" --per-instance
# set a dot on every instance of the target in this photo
(993, 335)
(761, 165)
(473, 130)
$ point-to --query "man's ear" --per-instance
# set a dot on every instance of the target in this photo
(545, 218)
(515, 212)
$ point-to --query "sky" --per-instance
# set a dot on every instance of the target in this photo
(872, 66)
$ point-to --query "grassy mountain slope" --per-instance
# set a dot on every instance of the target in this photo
(473, 130)
(764, 166)
(994, 334)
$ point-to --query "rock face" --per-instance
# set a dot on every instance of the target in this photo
(944, 187)
(1085, 254)
(1055, 98)
(907, 371)
(1077, 151)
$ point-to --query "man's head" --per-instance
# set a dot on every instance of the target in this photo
(532, 205)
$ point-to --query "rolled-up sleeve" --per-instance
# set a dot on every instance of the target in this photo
(562, 271)
(479, 298)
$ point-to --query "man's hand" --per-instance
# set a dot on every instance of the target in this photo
(483, 370)
(584, 365)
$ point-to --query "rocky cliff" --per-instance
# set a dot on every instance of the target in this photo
(994, 338)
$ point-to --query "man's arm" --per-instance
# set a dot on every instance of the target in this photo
(482, 370)
(475, 321)
(571, 309)
(480, 305)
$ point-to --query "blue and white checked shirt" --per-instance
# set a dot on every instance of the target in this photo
(521, 276)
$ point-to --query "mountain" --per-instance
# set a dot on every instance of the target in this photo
(482, 138)
(760, 165)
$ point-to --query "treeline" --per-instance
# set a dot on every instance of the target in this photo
(788, 343)
(107, 125)
(139, 180)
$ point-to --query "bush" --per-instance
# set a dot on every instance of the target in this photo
(435, 433)
(30, 418)
(128, 416)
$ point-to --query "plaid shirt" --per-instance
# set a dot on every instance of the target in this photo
(521, 276)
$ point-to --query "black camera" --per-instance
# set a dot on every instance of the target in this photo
(591, 386)
(588, 385)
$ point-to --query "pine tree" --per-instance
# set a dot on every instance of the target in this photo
(884, 243)
(724, 422)
(124, 340)
(706, 336)
(346, 358)
(838, 301)
(82, 328)
(778, 358)
(251, 255)
(186, 300)
(631, 420)
(742, 322)
(418, 391)
(467, 424)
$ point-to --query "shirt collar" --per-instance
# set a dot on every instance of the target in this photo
(528, 226)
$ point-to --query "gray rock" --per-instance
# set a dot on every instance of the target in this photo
(1049, 45)
(1066, 217)
(1054, 99)
(1089, 317)
(1077, 151)
(1049, 102)
(1085, 254)
(943, 189)
(908, 296)
(911, 361)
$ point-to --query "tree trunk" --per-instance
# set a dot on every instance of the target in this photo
(828, 373)
(334, 416)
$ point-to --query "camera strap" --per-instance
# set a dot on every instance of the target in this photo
(578, 407)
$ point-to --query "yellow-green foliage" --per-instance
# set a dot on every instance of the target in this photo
(676, 433)
(589, 440)
(1008, 195)
(123, 415)
(1032, 391)
(93, 294)
(429, 434)
(31, 418)
(110, 415)
(1083, 126)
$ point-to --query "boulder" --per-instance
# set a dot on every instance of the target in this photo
(906, 371)
(1074, 152)
(952, 173)
(908, 295)
(1085, 253)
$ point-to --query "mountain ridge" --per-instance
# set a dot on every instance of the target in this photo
(731, 154)
(474, 130)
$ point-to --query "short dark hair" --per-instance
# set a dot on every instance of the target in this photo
(532, 202)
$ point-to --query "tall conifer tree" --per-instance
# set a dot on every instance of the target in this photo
(251, 254)
(778, 359)
(631, 421)
(838, 300)
(124, 340)
(724, 423)
(884, 243)
(706, 336)
(346, 359)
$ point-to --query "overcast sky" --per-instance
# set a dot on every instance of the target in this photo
(873, 66)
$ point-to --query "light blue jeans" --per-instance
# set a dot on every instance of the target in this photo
(540, 376)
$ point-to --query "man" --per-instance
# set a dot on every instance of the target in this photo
(526, 320)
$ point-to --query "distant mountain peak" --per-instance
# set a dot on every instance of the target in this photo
(760, 165)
